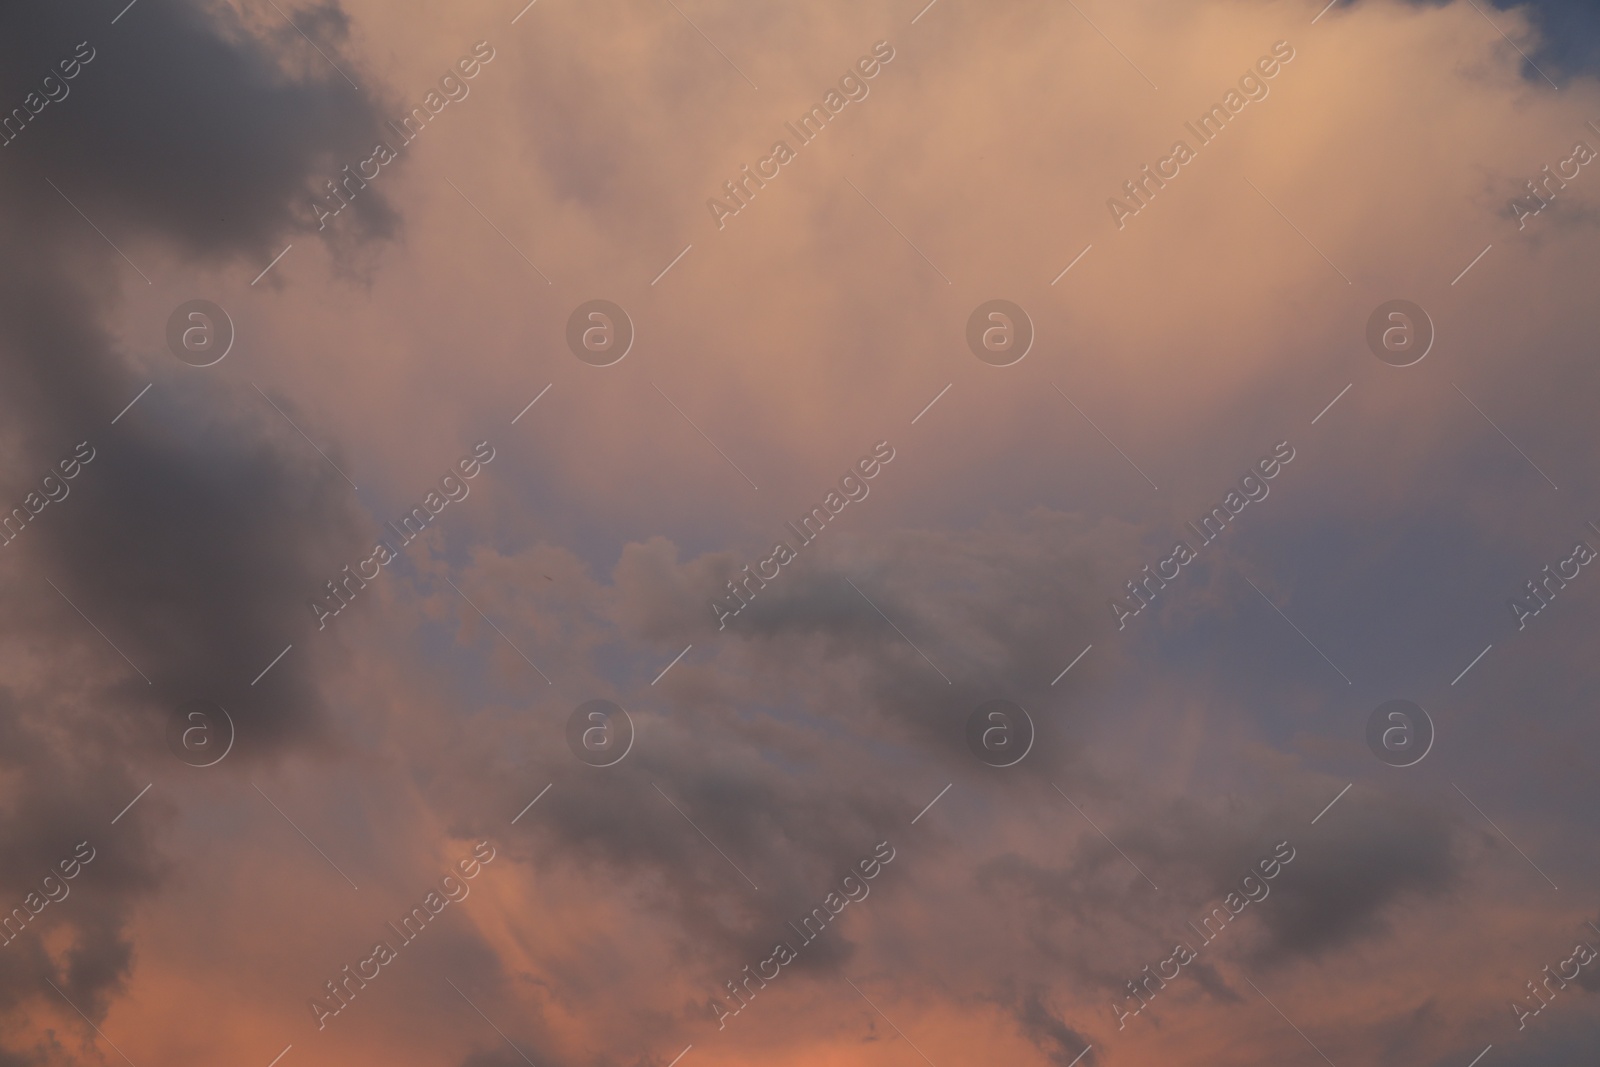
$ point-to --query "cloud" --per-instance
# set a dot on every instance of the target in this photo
(186, 137)
(824, 718)
(1344, 885)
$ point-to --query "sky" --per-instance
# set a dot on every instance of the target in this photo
(682, 533)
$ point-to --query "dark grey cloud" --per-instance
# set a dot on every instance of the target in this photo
(1048, 1030)
(1353, 870)
(1568, 34)
(201, 524)
(185, 126)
